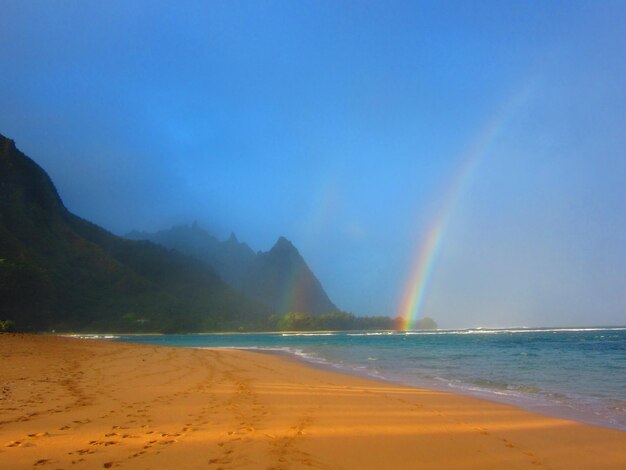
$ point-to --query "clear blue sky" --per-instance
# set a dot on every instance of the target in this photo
(340, 125)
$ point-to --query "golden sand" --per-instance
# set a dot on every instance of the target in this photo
(69, 403)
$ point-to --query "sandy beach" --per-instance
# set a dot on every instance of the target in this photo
(71, 403)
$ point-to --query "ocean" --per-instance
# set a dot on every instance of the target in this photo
(575, 373)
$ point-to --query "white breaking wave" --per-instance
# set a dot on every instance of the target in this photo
(485, 331)
(92, 336)
(308, 334)
(376, 333)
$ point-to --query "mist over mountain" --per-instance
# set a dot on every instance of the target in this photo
(229, 258)
(280, 278)
(58, 271)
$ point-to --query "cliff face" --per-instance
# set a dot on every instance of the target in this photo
(280, 279)
(60, 271)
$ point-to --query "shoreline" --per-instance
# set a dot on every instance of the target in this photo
(553, 410)
(99, 404)
(549, 400)
(524, 403)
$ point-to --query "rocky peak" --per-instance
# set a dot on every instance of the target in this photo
(283, 245)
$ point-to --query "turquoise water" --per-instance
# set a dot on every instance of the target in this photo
(577, 373)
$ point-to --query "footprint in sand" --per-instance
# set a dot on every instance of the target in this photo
(83, 451)
(103, 443)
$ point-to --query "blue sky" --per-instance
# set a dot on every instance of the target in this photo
(341, 125)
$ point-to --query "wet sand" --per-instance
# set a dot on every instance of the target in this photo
(69, 403)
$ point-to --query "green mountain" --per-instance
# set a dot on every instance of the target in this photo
(58, 271)
(280, 279)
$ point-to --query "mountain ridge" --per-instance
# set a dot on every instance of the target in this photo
(59, 271)
(279, 278)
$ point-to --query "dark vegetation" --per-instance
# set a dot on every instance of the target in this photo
(60, 272)
(338, 321)
(298, 321)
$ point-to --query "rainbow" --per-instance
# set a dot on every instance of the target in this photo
(295, 293)
(419, 280)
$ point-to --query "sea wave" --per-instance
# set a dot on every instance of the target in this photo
(91, 336)
(308, 334)
(493, 331)
(374, 333)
